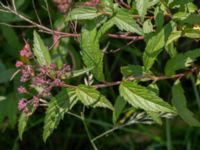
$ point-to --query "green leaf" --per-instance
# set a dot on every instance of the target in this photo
(119, 106)
(155, 116)
(179, 101)
(171, 49)
(159, 18)
(187, 18)
(175, 35)
(125, 22)
(89, 96)
(91, 54)
(147, 26)
(178, 3)
(23, 119)
(142, 6)
(82, 13)
(155, 44)
(140, 97)
(41, 51)
(76, 73)
(104, 28)
(191, 33)
(6, 75)
(181, 61)
(132, 70)
(57, 107)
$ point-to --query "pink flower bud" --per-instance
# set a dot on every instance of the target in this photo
(19, 64)
(22, 104)
(21, 90)
(27, 46)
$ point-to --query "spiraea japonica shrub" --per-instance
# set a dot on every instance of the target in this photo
(128, 58)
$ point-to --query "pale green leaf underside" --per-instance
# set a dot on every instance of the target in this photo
(91, 97)
(57, 107)
(179, 101)
(40, 50)
(140, 97)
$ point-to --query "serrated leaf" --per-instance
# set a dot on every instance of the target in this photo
(179, 101)
(142, 6)
(40, 50)
(89, 96)
(57, 107)
(91, 53)
(119, 106)
(181, 61)
(23, 119)
(140, 97)
(125, 22)
(155, 44)
(104, 28)
(82, 13)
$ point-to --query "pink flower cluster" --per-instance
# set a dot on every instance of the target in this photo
(44, 78)
(26, 51)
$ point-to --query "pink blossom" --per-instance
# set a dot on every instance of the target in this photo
(26, 51)
(21, 90)
(58, 82)
(19, 64)
(22, 104)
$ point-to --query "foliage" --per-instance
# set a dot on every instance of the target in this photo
(116, 64)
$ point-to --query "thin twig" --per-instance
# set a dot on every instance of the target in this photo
(39, 20)
(17, 26)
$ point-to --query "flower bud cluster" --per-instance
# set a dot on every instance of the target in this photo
(40, 78)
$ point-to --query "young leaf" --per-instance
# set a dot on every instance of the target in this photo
(57, 107)
(181, 61)
(124, 21)
(41, 51)
(89, 96)
(82, 13)
(142, 6)
(140, 97)
(91, 53)
(118, 108)
(23, 119)
(179, 101)
(155, 44)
